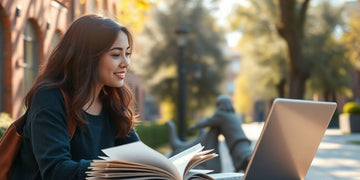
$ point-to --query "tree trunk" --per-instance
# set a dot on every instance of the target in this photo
(291, 28)
(297, 86)
(329, 95)
(280, 87)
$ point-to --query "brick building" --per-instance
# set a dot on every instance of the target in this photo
(28, 32)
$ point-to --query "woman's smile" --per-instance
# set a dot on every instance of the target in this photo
(120, 75)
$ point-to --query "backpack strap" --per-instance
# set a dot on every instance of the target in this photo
(71, 124)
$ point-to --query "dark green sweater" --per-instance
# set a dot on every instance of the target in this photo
(46, 152)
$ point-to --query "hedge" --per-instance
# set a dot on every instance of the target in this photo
(153, 134)
(351, 108)
(5, 121)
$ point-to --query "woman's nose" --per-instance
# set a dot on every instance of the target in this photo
(125, 62)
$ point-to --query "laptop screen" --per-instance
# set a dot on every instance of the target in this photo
(289, 140)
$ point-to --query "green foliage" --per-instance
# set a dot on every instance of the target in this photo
(352, 38)
(2, 131)
(263, 69)
(153, 134)
(5, 121)
(202, 55)
(242, 100)
(268, 69)
(351, 108)
(331, 72)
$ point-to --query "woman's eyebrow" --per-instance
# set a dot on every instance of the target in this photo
(119, 48)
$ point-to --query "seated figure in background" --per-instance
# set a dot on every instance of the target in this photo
(224, 121)
(228, 124)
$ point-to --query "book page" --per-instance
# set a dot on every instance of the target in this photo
(198, 175)
(198, 159)
(138, 152)
(182, 159)
(108, 167)
(200, 171)
(227, 176)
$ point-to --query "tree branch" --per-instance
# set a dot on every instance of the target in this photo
(302, 15)
(287, 17)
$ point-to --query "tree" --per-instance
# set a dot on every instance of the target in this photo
(291, 27)
(351, 40)
(242, 99)
(324, 52)
(320, 55)
(264, 65)
(203, 54)
(135, 14)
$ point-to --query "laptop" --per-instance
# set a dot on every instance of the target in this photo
(289, 139)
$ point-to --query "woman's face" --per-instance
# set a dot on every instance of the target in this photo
(113, 64)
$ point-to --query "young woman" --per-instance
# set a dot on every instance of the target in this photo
(89, 66)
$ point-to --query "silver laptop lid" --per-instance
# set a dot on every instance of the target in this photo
(289, 140)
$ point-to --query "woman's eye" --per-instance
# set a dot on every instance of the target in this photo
(128, 54)
(115, 55)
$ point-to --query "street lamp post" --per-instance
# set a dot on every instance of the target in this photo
(181, 40)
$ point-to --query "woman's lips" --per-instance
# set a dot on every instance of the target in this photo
(120, 75)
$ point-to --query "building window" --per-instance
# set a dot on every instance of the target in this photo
(2, 59)
(56, 38)
(30, 55)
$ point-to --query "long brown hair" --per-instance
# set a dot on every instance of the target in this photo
(73, 68)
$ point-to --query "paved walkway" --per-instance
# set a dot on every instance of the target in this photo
(336, 159)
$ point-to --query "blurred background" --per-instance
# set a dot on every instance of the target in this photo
(187, 52)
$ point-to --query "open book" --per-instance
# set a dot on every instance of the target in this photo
(139, 161)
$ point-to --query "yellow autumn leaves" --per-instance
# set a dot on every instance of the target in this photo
(134, 14)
